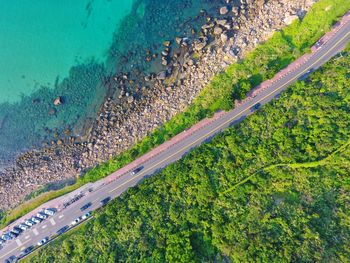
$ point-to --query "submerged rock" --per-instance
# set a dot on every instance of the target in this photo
(57, 101)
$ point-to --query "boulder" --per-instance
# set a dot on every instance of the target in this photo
(289, 19)
(161, 75)
(223, 10)
(57, 101)
(166, 43)
(217, 30)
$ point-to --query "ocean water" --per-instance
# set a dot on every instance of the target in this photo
(42, 40)
(51, 48)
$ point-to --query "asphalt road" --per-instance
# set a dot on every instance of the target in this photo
(62, 218)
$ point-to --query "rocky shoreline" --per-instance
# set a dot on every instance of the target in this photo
(139, 102)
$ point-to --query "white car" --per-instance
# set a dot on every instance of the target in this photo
(29, 223)
(37, 220)
(24, 227)
(86, 215)
(76, 221)
(49, 211)
(43, 241)
(42, 215)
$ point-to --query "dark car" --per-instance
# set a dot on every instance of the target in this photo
(256, 107)
(26, 251)
(106, 200)
(62, 230)
(84, 207)
(11, 259)
(137, 170)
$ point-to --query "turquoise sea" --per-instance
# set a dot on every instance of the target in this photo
(42, 40)
(51, 48)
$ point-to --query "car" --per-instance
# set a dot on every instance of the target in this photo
(2, 241)
(76, 221)
(11, 259)
(26, 251)
(13, 234)
(29, 222)
(106, 200)
(86, 215)
(318, 44)
(136, 170)
(24, 227)
(43, 241)
(42, 215)
(256, 107)
(62, 230)
(16, 230)
(84, 207)
(7, 236)
(36, 219)
(50, 211)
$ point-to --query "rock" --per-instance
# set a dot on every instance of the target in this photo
(52, 111)
(130, 99)
(166, 43)
(235, 10)
(217, 30)
(161, 75)
(164, 61)
(178, 40)
(223, 37)
(200, 45)
(57, 101)
(289, 19)
(223, 10)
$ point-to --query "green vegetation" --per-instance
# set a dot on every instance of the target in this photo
(261, 64)
(295, 207)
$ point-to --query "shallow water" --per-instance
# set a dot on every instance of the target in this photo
(49, 49)
(41, 41)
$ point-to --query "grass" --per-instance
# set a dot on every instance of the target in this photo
(259, 65)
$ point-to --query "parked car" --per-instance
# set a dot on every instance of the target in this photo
(84, 207)
(7, 236)
(24, 227)
(13, 234)
(26, 251)
(62, 230)
(11, 259)
(29, 222)
(37, 220)
(137, 170)
(106, 200)
(86, 215)
(43, 241)
(2, 241)
(42, 215)
(76, 221)
(16, 230)
(50, 211)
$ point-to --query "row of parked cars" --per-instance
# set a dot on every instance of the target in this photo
(17, 230)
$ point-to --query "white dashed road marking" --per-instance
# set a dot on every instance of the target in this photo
(60, 216)
(19, 243)
(26, 237)
(44, 226)
(35, 232)
(52, 221)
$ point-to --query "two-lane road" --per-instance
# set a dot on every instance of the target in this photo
(176, 151)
